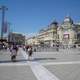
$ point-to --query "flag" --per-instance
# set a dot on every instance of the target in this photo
(5, 27)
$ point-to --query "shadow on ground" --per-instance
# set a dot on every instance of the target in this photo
(24, 60)
(37, 59)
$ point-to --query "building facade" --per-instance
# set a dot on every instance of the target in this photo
(67, 33)
(16, 38)
(48, 35)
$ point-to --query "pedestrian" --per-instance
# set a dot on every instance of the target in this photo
(24, 47)
(14, 50)
(34, 49)
(57, 47)
(30, 52)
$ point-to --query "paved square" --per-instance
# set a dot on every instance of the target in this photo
(65, 71)
(16, 73)
(43, 66)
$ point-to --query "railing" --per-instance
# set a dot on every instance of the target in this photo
(55, 48)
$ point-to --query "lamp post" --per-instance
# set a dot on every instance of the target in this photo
(3, 8)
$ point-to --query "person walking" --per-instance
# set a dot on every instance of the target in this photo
(30, 52)
(57, 47)
(14, 50)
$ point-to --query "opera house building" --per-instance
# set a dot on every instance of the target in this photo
(66, 33)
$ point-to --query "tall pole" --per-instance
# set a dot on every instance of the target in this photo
(3, 8)
(9, 32)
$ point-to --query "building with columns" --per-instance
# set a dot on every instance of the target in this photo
(67, 33)
(48, 35)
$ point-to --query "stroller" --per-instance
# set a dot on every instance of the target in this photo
(14, 54)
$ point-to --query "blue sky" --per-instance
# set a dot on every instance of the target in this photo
(29, 16)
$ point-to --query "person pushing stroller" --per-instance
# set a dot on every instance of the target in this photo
(14, 50)
(30, 52)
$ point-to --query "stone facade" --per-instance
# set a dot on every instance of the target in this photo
(67, 33)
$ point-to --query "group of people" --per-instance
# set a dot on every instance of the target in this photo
(28, 50)
(14, 50)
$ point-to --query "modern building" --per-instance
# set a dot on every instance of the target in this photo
(16, 38)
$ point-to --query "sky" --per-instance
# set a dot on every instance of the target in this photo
(29, 16)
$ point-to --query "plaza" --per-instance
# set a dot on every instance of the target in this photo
(62, 65)
(39, 40)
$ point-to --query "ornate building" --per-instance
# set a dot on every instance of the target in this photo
(48, 35)
(67, 33)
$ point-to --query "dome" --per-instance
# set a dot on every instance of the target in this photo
(54, 22)
(68, 20)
